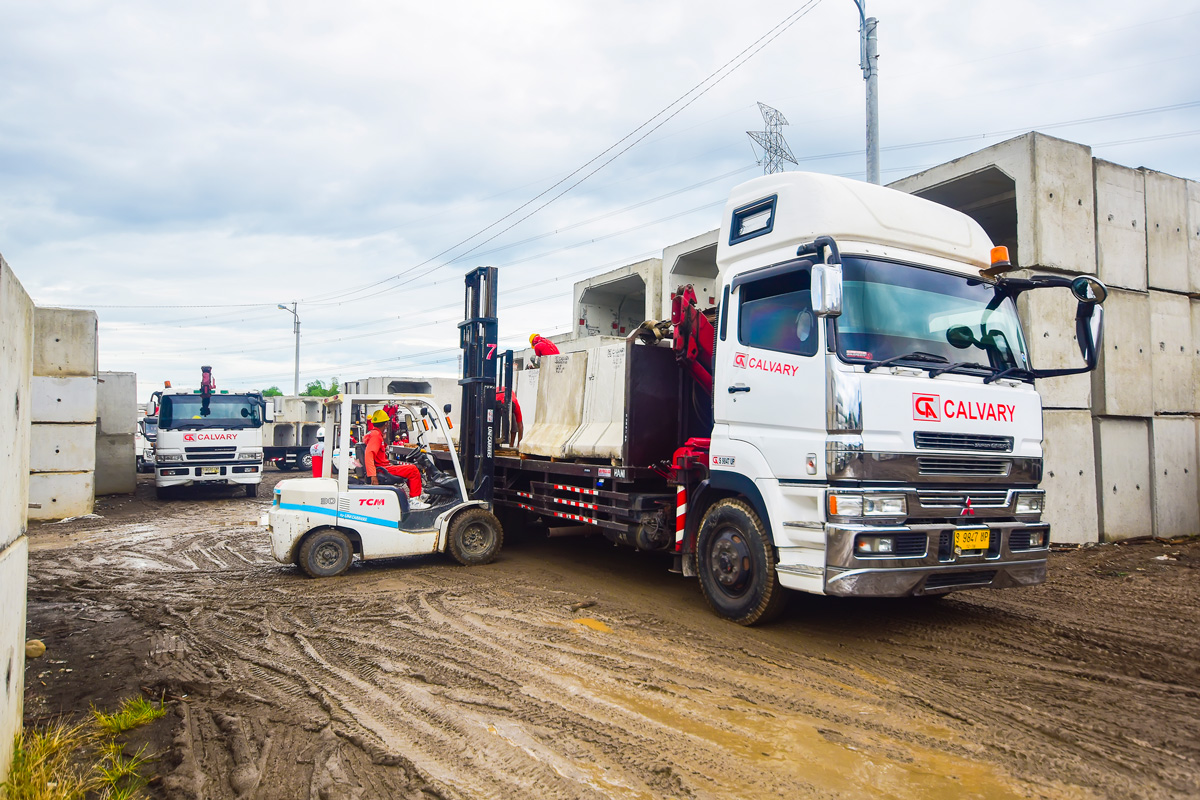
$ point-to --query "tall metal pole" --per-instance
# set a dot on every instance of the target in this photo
(869, 62)
(296, 328)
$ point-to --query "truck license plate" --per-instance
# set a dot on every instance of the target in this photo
(972, 539)
(217, 471)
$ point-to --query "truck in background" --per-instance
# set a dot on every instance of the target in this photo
(208, 438)
(144, 437)
(852, 413)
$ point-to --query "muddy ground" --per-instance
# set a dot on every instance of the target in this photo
(572, 669)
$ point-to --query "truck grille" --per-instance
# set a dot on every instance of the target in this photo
(209, 453)
(949, 465)
(937, 440)
(981, 499)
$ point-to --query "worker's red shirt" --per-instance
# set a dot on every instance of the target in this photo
(375, 455)
(516, 406)
(544, 347)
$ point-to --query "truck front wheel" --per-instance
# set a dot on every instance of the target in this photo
(325, 553)
(736, 563)
(251, 490)
(474, 537)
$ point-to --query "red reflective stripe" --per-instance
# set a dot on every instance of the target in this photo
(680, 515)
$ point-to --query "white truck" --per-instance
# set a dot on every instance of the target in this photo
(856, 416)
(208, 440)
(144, 437)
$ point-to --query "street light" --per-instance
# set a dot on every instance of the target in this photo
(869, 62)
(296, 317)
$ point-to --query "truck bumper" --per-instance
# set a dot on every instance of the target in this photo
(176, 474)
(936, 568)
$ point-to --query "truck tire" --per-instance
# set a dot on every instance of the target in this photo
(736, 562)
(474, 537)
(283, 466)
(165, 493)
(306, 461)
(325, 553)
(251, 490)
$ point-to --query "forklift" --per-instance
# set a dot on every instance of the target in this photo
(320, 524)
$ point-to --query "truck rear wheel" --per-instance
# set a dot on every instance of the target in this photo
(325, 553)
(736, 562)
(306, 461)
(474, 537)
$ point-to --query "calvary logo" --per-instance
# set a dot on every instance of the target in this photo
(927, 407)
(739, 360)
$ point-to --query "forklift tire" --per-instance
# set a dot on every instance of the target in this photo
(474, 537)
(736, 562)
(325, 553)
(251, 490)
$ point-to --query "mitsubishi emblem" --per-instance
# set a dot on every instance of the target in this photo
(967, 510)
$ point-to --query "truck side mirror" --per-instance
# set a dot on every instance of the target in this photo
(827, 290)
(1089, 289)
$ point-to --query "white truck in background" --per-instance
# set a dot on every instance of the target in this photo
(207, 440)
(144, 437)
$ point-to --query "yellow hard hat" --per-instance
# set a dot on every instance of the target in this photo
(533, 336)
(380, 417)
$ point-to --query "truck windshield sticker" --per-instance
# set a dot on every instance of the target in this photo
(743, 361)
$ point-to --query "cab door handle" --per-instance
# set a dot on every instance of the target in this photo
(738, 387)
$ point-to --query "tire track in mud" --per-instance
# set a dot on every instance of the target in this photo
(422, 679)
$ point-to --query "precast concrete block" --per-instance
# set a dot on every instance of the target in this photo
(116, 403)
(1124, 483)
(64, 448)
(1064, 207)
(58, 495)
(1166, 232)
(559, 404)
(1172, 366)
(690, 262)
(65, 342)
(1070, 476)
(16, 408)
(116, 464)
(615, 302)
(1174, 467)
(1120, 384)
(1195, 305)
(527, 394)
(14, 569)
(1193, 236)
(601, 433)
(64, 399)
(1048, 317)
(1120, 225)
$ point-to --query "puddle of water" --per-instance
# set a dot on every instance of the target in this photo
(594, 624)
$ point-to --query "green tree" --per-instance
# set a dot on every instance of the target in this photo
(317, 388)
(274, 391)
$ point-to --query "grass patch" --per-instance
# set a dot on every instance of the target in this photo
(82, 762)
(133, 713)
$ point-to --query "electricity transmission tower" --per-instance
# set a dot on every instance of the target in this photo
(774, 146)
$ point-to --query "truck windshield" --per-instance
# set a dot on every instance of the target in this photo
(892, 310)
(217, 411)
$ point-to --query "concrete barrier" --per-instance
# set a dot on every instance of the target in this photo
(1173, 458)
(1166, 232)
(116, 423)
(1124, 488)
(602, 430)
(1120, 226)
(1070, 476)
(1171, 363)
(559, 404)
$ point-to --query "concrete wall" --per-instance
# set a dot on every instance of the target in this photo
(64, 394)
(16, 366)
(116, 424)
(1062, 212)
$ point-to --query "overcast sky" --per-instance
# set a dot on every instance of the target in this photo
(183, 168)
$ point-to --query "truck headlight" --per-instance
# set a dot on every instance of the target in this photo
(1031, 503)
(867, 505)
(874, 545)
(165, 457)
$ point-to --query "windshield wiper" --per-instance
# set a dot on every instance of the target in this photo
(916, 355)
(1011, 372)
(933, 373)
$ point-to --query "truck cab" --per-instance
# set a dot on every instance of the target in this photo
(874, 405)
(208, 440)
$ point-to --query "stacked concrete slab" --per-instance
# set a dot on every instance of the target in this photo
(16, 367)
(1121, 444)
(116, 424)
(62, 458)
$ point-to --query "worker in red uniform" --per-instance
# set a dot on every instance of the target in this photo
(375, 458)
(542, 346)
(518, 426)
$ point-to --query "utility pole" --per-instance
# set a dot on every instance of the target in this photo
(869, 62)
(296, 327)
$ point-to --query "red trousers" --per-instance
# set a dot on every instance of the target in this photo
(410, 474)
